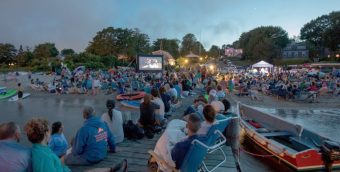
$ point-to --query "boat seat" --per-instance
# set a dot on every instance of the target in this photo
(304, 143)
(289, 150)
(276, 134)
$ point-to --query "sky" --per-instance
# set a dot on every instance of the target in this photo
(73, 23)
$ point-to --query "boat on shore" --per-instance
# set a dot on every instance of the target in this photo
(7, 93)
(299, 148)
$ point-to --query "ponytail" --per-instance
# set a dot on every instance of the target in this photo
(110, 104)
(110, 114)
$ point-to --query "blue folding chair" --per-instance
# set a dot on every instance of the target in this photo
(194, 160)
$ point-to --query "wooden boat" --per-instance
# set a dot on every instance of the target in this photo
(299, 148)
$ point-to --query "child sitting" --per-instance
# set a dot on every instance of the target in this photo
(58, 143)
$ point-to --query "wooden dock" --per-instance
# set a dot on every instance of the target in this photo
(136, 152)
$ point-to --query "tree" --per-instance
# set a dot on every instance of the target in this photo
(188, 43)
(114, 41)
(214, 51)
(169, 45)
(45, 50)
(264, 42)
(7, 53)
(324, 31)
(20, 57)
(66, 52)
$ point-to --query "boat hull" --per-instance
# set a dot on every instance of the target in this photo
(306, 160)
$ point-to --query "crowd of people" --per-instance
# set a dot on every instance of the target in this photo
(52, 152)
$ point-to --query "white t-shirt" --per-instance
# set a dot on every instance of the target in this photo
(204, 128)
(116, 125)
(159, 111)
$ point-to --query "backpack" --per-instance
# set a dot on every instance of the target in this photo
(132, 131)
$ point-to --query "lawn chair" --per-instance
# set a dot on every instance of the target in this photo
(194, 160)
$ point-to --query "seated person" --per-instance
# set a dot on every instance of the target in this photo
(209, 114)
(13, 156)
(43, 158)
(181, 148)
(114, 120)
(220, 92)
(91, 141)
(147, 114)
(58, 143)
(197, 107)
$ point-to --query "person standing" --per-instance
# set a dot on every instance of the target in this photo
(13, 156)
(20, 91)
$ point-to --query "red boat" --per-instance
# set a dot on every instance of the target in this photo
(301, 149)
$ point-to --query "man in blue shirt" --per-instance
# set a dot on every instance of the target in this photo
(13, 156)
(91, 141)
(180, 150)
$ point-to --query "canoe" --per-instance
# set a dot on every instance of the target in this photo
(131, 103)
(297, 147)
(131, 96)
(15, 98)
(7, 94)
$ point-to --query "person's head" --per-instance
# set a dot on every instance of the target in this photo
(193, 124)
(226, 104)
(37, 130)
(9, 130)
(57, 127)
(219, 88)
(154, 92)
(209, 113)
(147, 99)
(162, 90)
(88, 112)
(19, 84)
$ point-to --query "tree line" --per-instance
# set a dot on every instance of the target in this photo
(267, 42)
(264, 42)
(103, 50)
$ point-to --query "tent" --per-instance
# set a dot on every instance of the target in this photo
(263, 65)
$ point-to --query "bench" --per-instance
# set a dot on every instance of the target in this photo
(276, 134)
(289, 150)
(302, 143)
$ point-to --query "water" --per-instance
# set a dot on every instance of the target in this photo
(68, 110)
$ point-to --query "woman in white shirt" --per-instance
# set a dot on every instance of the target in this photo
(114, 120)
(159, 112)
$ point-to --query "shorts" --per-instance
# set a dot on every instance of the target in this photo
(20, 94)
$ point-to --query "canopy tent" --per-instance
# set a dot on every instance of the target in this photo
(168, 59)
(192, 55)
(263, 65)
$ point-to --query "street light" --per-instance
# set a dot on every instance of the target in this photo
(201, 58)
(186, 60)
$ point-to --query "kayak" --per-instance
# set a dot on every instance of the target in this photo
(15, 98)
(131, 103)
(7, 94)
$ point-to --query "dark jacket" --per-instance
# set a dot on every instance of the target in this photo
(147, 114)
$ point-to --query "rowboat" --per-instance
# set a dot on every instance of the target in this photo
(299, 148)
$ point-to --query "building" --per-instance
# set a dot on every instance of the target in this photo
(295, 50)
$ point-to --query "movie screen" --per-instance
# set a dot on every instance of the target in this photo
(150, 63)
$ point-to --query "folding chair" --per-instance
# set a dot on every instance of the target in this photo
(194, 160)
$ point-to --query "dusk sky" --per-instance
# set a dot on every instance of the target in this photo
(73, 23)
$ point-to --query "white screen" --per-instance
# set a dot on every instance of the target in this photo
(150, 63)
